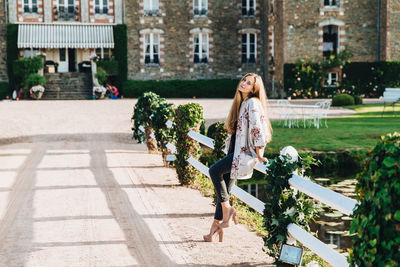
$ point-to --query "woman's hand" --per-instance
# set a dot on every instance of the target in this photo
(260, 156)
(262, 159)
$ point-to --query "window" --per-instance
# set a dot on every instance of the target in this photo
(331, 79)
(249, 52)
(66, 9)
(248, 8)
(332, 239)
(104, 53)
(101, 6)
(30, 6)
(31, 52)
(201, 48)
(200, 7)
(152, 48)
(330, 40)
(151, 7)
(332, 3)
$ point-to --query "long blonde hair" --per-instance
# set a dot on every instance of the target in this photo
(258, 92)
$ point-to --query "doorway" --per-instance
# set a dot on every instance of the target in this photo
(71, 60)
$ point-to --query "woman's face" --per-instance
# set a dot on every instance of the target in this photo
(246, 85)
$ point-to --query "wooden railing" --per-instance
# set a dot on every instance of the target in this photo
(330, 198)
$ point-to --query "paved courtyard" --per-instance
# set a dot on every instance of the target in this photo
(76, 190)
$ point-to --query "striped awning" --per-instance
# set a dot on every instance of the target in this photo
(65, 36)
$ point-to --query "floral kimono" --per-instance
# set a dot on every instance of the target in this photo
(251, 132)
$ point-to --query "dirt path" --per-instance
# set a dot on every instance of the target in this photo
(75, 190)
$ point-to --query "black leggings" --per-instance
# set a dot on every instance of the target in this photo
(220, 176)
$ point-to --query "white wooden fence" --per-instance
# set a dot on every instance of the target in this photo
(332, 199)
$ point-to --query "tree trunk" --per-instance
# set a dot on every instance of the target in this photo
(150, 142)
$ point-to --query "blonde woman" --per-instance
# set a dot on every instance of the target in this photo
(249, 132)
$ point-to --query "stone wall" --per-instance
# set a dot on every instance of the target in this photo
(3, 44)
(176, 20)
(394, 30)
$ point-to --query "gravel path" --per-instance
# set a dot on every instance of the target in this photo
(75, 190)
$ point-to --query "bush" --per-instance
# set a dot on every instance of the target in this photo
(217, 132)
(187, 117)
(358, 100)
(218, 88)
(376, 219)
(3, 90)
(101, 76)
(34, 79)
(25, 66)
(342, 100)
(109, 66)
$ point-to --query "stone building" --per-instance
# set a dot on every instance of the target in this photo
(204, 39)
(66, 31)
(3, 43)
(313, 28)
(195, 39)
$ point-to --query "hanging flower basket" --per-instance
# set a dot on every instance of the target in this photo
(36, 92)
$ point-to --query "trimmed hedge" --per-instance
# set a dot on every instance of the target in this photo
(342, 100)
(3, 90)
(110, 66)
(121, 54)
(365, 79)
(218, 88)
(12, 53)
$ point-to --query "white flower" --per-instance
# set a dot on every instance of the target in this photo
(92, 56)
(290, 212)
(37, 88)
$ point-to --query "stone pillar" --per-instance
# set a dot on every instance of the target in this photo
(48, 11)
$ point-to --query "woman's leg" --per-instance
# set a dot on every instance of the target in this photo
(216, 173)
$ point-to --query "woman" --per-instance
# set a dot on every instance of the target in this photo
(249, 131)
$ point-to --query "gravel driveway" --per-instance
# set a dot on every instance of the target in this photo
(75, 190)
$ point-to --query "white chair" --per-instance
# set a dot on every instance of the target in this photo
(319, 113)
(390, 96)
(286, 113)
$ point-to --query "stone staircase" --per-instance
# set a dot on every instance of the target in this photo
(68, 86)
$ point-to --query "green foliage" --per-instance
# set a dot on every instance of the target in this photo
(121, 54)
(187, 117)
(25, 66)
(12, 53)
(34, 79)
(342, 100)
(109, 66)
(144, 108)
(218, 88)
(284, 205)
(358, 100)
(3, 90)
(163, 112)
(101, 76)
(217, 132)
(305, 78)
(376, 219)
(369, 79)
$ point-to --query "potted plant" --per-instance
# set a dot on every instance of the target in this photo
(35, 83)
(99, 92)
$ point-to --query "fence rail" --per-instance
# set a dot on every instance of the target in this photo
(332, 199)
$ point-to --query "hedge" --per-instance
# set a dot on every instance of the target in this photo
(121, 54)
(12, 53)
(4, 92)
(366, 79)
(218, 88)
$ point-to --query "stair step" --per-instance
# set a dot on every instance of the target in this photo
(69, 85)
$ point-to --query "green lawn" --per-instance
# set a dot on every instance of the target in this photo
(360, 130)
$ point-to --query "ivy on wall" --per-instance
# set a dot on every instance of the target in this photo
(12, 53)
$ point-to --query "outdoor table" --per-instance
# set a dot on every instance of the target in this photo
(306, 111)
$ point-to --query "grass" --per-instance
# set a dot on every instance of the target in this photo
(360, 130)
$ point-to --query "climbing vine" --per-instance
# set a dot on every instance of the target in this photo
(187, 117)
(285, 205)
(217, 132)
(376, 220)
